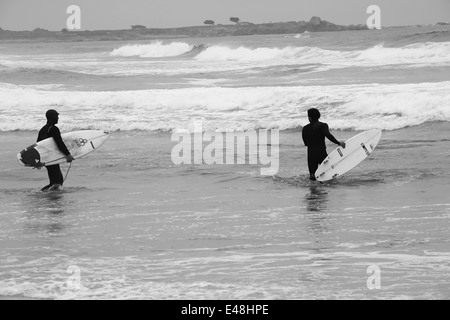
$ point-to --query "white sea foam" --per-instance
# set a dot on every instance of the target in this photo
(156, 49)
(388, 107)
(420, 53)
(423, 53)
(219, 58)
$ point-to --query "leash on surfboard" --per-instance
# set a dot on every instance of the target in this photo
(67, 173)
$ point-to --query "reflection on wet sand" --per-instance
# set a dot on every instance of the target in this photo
(316, 199)
(45, 212)
(316, 205)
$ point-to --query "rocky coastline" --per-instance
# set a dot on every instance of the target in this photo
(141, 32)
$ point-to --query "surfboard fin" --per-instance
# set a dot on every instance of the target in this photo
(39, 165)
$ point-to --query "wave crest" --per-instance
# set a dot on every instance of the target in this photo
(156, 49)
(420, 53)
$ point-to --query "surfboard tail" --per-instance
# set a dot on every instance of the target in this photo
(25, 163)
(19, 158)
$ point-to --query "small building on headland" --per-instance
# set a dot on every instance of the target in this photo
(138, 27)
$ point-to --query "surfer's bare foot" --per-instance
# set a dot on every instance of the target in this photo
(46, 188)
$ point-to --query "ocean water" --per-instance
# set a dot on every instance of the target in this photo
(131, 224)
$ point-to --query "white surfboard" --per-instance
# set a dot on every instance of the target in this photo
(342, 160)
(46, 152)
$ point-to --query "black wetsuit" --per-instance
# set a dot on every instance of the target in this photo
(314, 138)
(54, 171)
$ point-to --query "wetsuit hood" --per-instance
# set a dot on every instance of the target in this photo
(313, 115)
(52, 116)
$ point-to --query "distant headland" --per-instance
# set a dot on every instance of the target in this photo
(209, 29)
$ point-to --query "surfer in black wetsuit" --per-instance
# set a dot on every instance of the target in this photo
(51, 130)
(314, 135)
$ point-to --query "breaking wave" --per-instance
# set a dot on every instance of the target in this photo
(346, 107)
(418, 53)
(154, 50)
(421, 53)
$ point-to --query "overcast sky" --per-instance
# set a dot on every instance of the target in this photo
(120, 14)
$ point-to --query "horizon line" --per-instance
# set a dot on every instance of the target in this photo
(220, 24)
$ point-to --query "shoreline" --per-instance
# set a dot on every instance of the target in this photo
(263, 29)
(143, 33)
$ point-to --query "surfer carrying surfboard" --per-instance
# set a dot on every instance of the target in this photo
(313, 135)
(51, 130)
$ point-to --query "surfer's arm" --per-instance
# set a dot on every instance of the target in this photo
(306, 135)
(56, 134)
(304, 138)
(331, 137)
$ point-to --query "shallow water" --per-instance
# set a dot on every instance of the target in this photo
(131, 224)
(134, 226)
